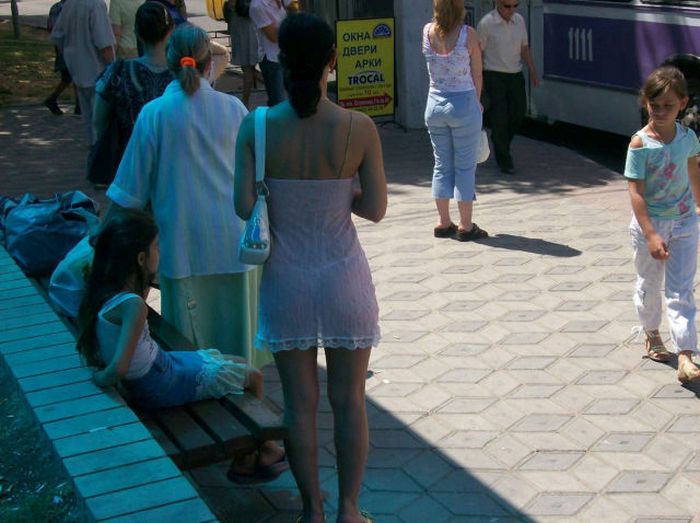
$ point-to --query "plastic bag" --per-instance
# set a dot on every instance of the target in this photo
(39, 233)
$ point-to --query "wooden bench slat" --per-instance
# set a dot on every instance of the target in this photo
(114, 457)
(221, 425)
(101, 439)
(256, 416)
(196, 445)
(193, 510)
(37, 342)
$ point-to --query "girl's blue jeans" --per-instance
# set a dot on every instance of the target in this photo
(454, 125)
(672, 278)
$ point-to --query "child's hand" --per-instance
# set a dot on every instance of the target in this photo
(657, 247)
(697, 210)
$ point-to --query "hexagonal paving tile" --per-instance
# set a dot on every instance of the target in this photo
(611, 406)
(619, 278)
(592, 350)
(564, 269)
(552, 461)
(464, 349)
(513, 278)
(462, 286)
(524, 338)
(522, 316)
(416, 277)
(584, 326)
(525, 296)
(531, 363)
(464, 326)
(639, 481)
(460, 269)
(405, 315)
(569, 286)
(464, 375)
(601, 377)
(462, 305)
(610, 262)
(406, 296)
(576, 305)
(541, 422)
(622, 442)
(397, 361)
(467, 405)
(558, 504)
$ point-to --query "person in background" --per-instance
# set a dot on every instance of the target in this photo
(245, 48)
(180, 159)
(505, 47)
(59, 66)
(664, 186)
(84, 35)
(453, 116)
(316, 289)
(122, 14)
(267, 15)
(127, 85)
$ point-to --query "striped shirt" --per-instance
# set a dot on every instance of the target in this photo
(181, 158)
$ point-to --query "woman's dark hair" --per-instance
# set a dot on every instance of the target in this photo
(188, 41)
(117, 246)
(153, 22)
(306, 47)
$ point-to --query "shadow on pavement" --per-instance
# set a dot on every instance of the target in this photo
(533, 245)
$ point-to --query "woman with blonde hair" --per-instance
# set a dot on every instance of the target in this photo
(453, 115)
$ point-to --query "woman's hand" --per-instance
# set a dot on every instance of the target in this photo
(657, 247)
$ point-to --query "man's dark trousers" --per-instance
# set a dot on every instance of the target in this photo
(505, 112)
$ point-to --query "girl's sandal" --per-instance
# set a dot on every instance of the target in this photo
(475, 233)
(686, 377)
(656, 350)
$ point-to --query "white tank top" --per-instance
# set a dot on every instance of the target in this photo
(449, 72)
(108, 337)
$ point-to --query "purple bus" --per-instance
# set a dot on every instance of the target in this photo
(594, 55)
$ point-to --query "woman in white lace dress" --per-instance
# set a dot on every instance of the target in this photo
(317, 289)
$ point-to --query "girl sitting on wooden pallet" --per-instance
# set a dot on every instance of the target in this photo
(114, 338)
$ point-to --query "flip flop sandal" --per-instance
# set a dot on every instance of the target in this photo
(260, 474)
(656, 350)
(475, 233)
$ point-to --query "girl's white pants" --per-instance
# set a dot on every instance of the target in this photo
(674, 276)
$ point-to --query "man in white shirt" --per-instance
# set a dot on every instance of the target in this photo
(267, 15)
(83, 34)
(505, 47)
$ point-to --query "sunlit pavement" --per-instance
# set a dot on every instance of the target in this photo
(507, 386)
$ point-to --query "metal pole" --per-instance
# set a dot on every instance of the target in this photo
(15, 18)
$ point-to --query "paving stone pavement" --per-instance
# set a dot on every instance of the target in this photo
(507, 386)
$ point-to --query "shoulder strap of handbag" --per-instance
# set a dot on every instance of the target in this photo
(260, 116)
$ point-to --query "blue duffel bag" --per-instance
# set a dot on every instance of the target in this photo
(38, 233)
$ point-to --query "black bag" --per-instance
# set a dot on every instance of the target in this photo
(39, 233)
(242, 8)
(107, 152)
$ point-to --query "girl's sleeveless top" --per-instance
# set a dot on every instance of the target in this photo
(664, 169)
(108, 337)
(449, 72)
(316, 289)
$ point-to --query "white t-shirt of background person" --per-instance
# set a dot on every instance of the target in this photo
(264, 13)
(502, 42)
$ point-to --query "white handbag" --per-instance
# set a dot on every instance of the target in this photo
(484, 150)
(255, 242)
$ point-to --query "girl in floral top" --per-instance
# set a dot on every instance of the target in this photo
(664, 186)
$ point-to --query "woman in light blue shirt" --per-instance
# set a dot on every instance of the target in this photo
(180, 159)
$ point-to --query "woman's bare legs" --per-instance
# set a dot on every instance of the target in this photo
(299, 376)
(347, 372)
(465, 215)
(443, 208)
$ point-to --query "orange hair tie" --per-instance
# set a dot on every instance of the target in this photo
(187, 61)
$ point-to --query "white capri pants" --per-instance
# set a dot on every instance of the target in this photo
(674, 276)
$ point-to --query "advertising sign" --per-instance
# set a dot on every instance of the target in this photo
(365, 69)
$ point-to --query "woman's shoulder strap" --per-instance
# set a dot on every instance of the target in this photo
(118, 299)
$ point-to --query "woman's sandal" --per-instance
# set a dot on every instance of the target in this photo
(656, 350)
(475, 233)
(445, 232)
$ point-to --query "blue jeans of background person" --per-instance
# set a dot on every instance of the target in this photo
(274, 81)
(672, 277)
(454, 125)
